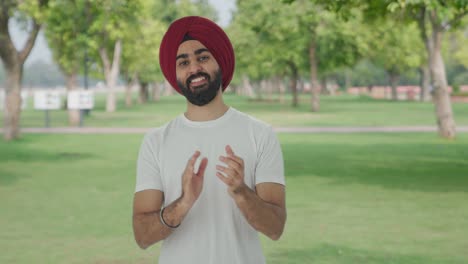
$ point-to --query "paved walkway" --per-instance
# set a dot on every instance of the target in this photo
(141, 130)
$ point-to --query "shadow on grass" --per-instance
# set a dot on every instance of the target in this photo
(417, 166)
(25, 154)
(327, 253)
(19, 153)
(8, 177)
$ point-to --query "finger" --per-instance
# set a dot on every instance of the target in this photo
(232, 163)
(223, 178)
(229, 172)
(229, 150)
(202, 168)
(237, 159)
(230, 153)
(192, 160)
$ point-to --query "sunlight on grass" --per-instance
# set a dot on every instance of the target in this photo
(356, 198)
(344, 110)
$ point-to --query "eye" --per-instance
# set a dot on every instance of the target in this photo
(183, 63)
(203, 58)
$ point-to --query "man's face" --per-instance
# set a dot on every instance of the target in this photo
(198, 73)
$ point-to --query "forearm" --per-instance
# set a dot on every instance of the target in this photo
(264, 217)
(149, 229)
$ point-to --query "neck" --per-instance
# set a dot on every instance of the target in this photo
(211, 111)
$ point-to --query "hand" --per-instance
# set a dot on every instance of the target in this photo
(233, 174)
(192, 183)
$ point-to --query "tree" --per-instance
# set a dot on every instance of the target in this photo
(333, 44)
(66, 32)
(300, 37)
(396, 47)
(268, 42)
(434, 18)
(31, 12)
(139, 58)
(111, 21)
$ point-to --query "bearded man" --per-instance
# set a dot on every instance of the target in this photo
(213, 178)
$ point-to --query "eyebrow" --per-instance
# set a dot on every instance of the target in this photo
(197, 52)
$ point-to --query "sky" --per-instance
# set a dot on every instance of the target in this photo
(41, 51)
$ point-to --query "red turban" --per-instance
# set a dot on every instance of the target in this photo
(205, 31)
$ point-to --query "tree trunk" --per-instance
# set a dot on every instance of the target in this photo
(393, 79)
(425, 83)
(143, 93)
(13, 61)
(12, 108)
(293, 83)
(331, 86)
(269, 87)
(263, 87)
(73, 114)
(276, 82)
(441, 96)
(156, 92)
(323, 85)
(348, 79)
(129, 90)
(247, 87)
(111, 72)
(314, 86)
(282, 90)
(128, 95)
(168, 90)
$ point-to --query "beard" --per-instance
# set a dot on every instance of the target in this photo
(204, 94)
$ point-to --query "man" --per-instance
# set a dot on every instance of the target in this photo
(210, 208)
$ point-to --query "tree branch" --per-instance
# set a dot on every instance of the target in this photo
(422, 23)
(7, 48)
(105, 61)
(23, 54)
(114, 72)
(457, 18)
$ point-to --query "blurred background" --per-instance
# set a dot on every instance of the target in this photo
(369, 99)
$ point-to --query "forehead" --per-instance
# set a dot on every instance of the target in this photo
(189, 47)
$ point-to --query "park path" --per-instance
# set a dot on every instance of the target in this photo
(141, 130)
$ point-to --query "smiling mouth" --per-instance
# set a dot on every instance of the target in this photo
(198, 82)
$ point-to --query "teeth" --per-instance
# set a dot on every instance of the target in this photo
(198, 79)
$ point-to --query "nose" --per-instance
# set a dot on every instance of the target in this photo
(194, 67)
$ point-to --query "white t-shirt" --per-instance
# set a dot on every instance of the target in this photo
(214, 230)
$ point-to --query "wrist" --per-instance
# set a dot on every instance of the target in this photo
(240, 193)
(163, 221)
(185, 202)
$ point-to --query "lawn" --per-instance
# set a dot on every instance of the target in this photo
(344, 110)
(352, 198)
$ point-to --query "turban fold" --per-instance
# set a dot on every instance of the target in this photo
(205, 31)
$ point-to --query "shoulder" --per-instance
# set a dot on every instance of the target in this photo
(257, 126)
(155, 136)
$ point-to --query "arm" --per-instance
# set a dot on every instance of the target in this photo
(265, 208)
(147, 226)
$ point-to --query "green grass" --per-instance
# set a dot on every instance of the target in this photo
(342, 110)
(356, 198)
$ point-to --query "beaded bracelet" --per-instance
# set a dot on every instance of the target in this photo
(164, 222)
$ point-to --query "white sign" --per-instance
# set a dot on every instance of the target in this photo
(47, 100)
(24, 99)
(80, 99)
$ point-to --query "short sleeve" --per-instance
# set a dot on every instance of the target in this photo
(270, 164)
(148, 169)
